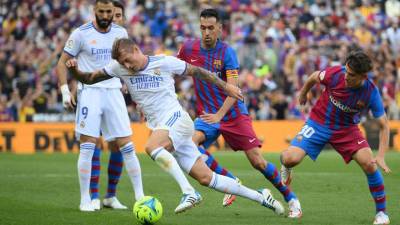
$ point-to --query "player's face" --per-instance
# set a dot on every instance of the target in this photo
(352, 79)
(104, 14)
(118, 16)
(210, 30)
(130, 59)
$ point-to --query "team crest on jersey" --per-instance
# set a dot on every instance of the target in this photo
(360, 104)
(217, 64)
(157, 71)
(82, 125)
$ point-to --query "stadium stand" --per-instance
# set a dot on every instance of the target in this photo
(278, 44)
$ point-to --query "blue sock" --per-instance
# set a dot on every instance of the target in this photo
(115, 165)
(377, 189)
(271, 173)
(213, 164)
(95, 175)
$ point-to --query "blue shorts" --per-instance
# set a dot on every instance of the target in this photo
(211, 131)
(313, 137)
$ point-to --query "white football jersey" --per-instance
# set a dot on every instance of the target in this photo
(153, 88)
(93, 50)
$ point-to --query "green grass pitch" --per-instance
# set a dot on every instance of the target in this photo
(43, 189)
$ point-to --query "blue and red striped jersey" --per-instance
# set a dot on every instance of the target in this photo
(340, 106)
(221, 60)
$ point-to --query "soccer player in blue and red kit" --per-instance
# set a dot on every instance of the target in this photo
(220, 114)
(334, 120)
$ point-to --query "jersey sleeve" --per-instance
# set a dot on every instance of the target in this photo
(329, 77)
(376, 104)
(125, 34)
(113, 69)
(231, 63)
(181, 53)
(73, 45)
(175, 65)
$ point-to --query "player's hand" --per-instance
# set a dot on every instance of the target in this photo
(68, 99)
(380, 160)
(302, 99)
(210, 117)
(234, 91)
(124, 89)
(72, 64)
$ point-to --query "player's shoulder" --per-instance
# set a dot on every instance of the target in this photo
(157, 58)
(335, 70)
(191, 43)
(85, 27)
(116, 26)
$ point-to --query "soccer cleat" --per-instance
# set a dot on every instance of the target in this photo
(113, 203)
(88, 207)
(286, 175)
(270, 202)
(230, 198)
(381, 218)
(188, 201)
(295, 209)
(96, 204)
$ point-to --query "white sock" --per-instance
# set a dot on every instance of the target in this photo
(228, 185)
(85, 169)
(168, 163)
(132, 166)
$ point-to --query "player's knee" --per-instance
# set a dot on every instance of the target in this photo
(259, 163)
(288, 159)
(368, 167)
(204, 179)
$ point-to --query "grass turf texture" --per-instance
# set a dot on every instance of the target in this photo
(43, 189)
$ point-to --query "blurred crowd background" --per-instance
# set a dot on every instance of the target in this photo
(278, 43)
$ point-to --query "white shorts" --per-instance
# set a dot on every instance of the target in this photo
(181, 129)
(102, 109)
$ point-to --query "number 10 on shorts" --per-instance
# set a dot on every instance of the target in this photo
(307, 131)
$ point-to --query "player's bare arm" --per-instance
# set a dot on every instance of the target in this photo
(310, 82)
(86, 78)
(68, 98)
(203, 74)
(228, 103)
(383, 143)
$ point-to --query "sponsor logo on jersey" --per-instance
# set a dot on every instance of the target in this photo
(341, 106)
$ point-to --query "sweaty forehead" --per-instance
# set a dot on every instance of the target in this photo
(208, 21)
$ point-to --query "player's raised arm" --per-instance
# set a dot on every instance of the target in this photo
(310, 82)
(86, 78)
(208, 76)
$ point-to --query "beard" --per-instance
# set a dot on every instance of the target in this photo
(103, 23)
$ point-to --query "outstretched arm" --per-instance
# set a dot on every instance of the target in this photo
(208, 76)
(86, 78)
(310, 82)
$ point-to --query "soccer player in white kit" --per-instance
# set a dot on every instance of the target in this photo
(101, 106)
(151, 85)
